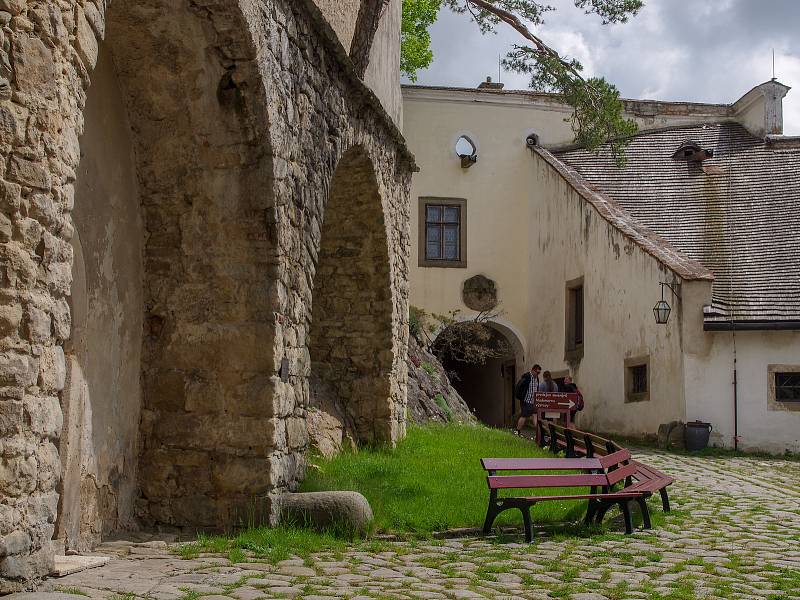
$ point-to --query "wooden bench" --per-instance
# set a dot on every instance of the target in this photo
(575, 443)
(600, 475)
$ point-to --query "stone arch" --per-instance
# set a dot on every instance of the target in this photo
(488, 388)
(351, 335)
(174, 180)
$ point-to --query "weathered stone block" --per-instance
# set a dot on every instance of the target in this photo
(11, 417)
(15, 543)
(15, 369)
(44, 416)
(13, 120)
(17, 475)
(238, 475)
(29, 172)
(297, 433)
(38, 325)
(246, 436)
(166, 390)
(10, 196)
(52, 369)
(10, 318)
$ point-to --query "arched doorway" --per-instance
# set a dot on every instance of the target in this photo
(171, 355)
(350, 340)
(485, 374)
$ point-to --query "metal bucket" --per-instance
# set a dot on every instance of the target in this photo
(697, 434)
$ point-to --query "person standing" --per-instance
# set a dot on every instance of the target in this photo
(570, 388)
(547, 384)
(525, 392)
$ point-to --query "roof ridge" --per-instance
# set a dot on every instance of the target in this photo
(642, 132)
(619, 218)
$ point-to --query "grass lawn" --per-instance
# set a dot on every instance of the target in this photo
(433, 480)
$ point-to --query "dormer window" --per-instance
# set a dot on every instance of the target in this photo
(692, 152)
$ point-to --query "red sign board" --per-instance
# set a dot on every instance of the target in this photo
(555, 401)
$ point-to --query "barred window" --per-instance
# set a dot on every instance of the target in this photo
(787, 387)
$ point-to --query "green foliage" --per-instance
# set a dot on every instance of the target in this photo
(441, 402)
(415, 40)
(433, 480)
(598, 117)
(428, 368)
(416, 323)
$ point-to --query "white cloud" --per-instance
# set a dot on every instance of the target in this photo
(702, 51)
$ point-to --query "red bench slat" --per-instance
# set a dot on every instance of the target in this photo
(621, 473)
(539, 464)
(500, 482)
(609, 460)
(611, 496)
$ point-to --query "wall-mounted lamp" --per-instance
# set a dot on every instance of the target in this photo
(467, 152)
(662, 308)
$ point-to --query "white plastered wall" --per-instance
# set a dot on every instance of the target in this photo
(570, 240)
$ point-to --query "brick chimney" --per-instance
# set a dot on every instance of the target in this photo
(761, 109)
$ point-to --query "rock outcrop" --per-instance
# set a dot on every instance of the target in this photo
(431, 398)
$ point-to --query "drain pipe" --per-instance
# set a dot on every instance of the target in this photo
(735, 393)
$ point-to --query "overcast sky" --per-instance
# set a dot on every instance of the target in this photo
(706, 51)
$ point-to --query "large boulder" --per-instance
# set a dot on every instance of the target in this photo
(431, 398)
(349, 511)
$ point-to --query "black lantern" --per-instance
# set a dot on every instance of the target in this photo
(662, 309)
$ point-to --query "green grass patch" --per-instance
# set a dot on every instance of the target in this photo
(71, 590)
(266, 543)
(433, 480)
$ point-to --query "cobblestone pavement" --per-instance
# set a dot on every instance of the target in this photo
(735, 534)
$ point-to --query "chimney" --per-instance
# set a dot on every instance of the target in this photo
(488, 85)
(761, 109)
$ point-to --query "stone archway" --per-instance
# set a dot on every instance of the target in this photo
(488, 387)
(351, 335)
(145, 143)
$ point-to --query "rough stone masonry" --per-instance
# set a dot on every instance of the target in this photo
(174, 266)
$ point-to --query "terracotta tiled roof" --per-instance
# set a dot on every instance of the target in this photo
(737, 213)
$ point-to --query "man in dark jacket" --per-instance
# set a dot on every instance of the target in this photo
(525, 391)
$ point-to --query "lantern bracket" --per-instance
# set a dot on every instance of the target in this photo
(675, 288)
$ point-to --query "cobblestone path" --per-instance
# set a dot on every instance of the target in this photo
(735, 534)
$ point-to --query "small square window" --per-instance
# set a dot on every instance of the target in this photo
(637, 380)
(442, 232)
(787, 387)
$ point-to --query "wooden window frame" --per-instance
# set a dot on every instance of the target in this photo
(630, 365)
(573, 350)
(461, 203)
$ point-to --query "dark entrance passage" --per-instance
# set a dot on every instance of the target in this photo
(488, 388)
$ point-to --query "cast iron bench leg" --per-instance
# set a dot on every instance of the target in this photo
(642, 501)
(526, 518)
(591, 510)
(491, 513)
(625, 507)
(664, 499)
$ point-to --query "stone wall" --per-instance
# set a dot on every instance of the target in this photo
(239, 114)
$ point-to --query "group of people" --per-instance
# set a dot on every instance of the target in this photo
(530, 383)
